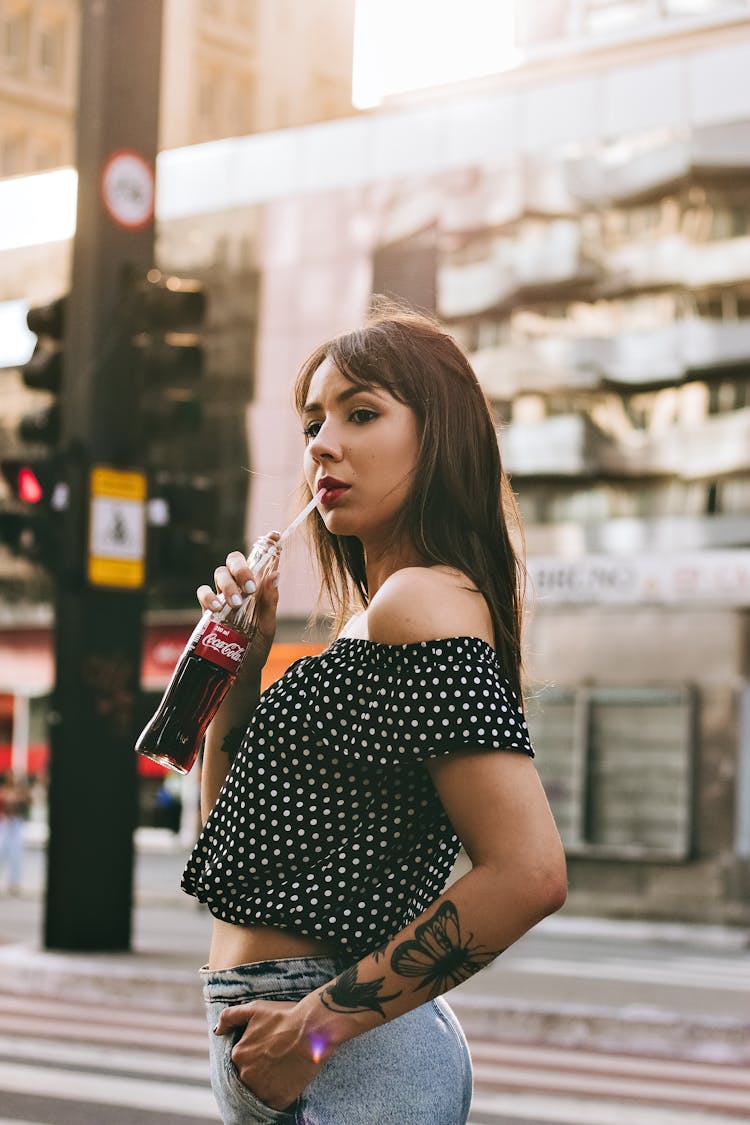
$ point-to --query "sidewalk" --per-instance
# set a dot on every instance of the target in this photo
(666, 989)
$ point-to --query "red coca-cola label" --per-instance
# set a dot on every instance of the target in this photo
(222, 645)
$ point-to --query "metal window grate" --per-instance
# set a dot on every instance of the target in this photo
(617, 765)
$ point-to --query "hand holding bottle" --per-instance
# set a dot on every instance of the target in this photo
(248, 593)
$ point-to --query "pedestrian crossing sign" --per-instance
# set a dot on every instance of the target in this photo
(117, 528)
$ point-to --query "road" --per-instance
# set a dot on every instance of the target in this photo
(69, 1063)
(581, 1023)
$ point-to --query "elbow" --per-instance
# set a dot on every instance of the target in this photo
(556, 892)
(548, 886)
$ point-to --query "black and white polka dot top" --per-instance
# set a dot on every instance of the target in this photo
(328, 823)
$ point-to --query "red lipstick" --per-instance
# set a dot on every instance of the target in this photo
(334, 490)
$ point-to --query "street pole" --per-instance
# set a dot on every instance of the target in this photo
(100, 596)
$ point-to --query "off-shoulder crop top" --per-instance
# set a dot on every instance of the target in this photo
(328, 823)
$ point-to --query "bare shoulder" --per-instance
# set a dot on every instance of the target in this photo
(425, 603)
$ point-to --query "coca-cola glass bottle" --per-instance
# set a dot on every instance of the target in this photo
(203, 675)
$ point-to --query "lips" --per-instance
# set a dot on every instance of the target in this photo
(334, 489)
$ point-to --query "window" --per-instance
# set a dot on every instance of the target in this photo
(50, 52)
(246, 13)
(617, 766)
(15, 40)
(208, 103)
(408, 270)
(612, 15)
(553, 719)
(47, 153)
(13, 148)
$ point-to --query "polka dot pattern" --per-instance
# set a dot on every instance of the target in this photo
(328, 823)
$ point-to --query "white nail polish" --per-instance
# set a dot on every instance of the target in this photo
(216, 604)
(236, 599)
(250, 586)
(275, 580)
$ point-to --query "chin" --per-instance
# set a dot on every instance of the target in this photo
(338, 524)
(339, 521)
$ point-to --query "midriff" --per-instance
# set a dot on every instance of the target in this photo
(233, 945)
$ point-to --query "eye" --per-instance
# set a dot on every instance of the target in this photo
(311, 430)
(362, 415)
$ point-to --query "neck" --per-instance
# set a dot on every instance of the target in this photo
(381, 562)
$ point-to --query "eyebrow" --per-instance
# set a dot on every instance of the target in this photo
(350, 392)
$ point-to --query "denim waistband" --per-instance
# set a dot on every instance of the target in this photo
(282, 975)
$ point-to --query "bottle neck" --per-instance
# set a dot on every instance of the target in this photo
(263, 557)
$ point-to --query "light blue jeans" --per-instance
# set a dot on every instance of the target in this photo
(414, 1070)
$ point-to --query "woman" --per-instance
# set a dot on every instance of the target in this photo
(325, 855)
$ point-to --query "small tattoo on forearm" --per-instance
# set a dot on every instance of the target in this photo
(232, 741)
(437, 956)
(379, 952)
(347, 994)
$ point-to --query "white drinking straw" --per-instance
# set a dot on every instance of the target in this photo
(258, 568)
(288, 530)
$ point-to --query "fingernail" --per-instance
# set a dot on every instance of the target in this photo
(236, 599)
(250, 586)
(216, 604)
(275, 580)
(216, 1029)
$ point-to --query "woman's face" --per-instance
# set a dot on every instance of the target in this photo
(362, 447)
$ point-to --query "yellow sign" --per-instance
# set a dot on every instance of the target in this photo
(117, 528)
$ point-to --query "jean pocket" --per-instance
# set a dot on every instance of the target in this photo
(261, 1112)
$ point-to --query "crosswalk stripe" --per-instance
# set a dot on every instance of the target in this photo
(15, 1121)
(694, 974)
(98, 1013)
(723, 1074)
(76, 1055)
(563, 1110)
(54, 1082)
(34, 1027)
(637, 1088)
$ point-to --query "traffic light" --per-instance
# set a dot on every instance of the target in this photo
(29, 520)
(32, 469)
(165, 314)
(44, 371)
(182, 517)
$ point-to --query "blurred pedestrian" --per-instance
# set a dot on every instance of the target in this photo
(335, 803)
(168, 805)
(15, 806)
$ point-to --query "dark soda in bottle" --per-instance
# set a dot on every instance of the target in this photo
(204, 674)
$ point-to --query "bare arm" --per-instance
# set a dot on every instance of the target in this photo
(225, 734)
(227, 729)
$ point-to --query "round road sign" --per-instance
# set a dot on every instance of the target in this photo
(128, 189)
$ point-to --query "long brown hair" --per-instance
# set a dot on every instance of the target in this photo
(460, 503)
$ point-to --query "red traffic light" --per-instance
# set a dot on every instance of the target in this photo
(25, 481)
(29, 488)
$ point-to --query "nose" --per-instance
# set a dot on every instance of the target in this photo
(325, 444)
